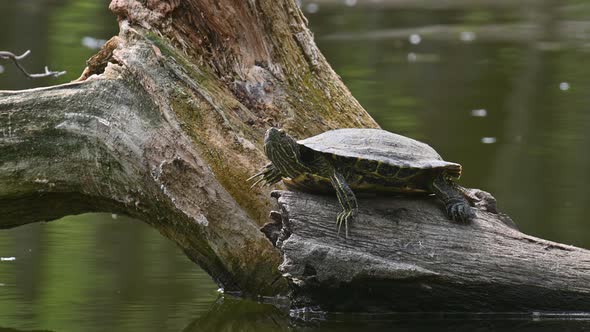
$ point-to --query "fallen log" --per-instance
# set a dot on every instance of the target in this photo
(403, 254)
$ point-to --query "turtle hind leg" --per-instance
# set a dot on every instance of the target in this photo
(456, 205)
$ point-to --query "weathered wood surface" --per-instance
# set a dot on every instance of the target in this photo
(403, 254)
(166, 124)
(104, 145)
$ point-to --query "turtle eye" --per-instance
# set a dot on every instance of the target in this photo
(282, 132)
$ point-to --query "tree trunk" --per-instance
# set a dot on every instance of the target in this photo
(166, 123)
(405, 255)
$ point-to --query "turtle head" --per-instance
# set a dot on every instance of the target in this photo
(283, 151)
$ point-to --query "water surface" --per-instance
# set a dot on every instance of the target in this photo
(502, 90)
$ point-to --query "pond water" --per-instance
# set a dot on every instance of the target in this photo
(499, 88)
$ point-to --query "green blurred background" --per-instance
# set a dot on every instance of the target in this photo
(498, 86)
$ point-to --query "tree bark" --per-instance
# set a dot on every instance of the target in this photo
(403, 254)
(166, 124)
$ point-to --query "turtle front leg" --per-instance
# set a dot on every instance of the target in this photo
(457, 206)
(347, 200)
(269, 175)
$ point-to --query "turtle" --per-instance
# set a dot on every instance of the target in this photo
(362, 160)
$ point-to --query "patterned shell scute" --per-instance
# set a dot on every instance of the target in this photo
(378, 145)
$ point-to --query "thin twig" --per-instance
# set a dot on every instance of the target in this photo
(17, 58)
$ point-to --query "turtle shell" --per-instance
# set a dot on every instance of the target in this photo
(380, 146)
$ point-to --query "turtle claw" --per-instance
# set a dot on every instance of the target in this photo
(259, 180)
(345, 217)
(268, 176)
(255, 176)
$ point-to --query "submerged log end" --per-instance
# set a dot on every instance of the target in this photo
(403, 254)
